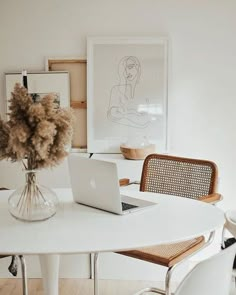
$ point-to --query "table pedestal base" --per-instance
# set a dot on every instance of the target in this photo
(50, 273)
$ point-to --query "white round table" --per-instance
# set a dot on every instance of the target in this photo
(81, 229)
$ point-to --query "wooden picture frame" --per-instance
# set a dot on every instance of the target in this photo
(77, 68)
(127, 92)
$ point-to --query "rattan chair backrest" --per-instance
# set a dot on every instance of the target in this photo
(191, 178)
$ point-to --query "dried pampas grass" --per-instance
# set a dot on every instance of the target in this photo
(40, 131)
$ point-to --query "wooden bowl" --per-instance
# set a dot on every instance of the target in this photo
(137, 153)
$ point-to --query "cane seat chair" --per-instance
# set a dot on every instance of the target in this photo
(13, 266)
(183, 177)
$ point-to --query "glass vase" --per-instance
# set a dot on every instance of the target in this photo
(32, 202)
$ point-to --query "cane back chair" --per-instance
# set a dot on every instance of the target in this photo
(13, 266)
(183, 177)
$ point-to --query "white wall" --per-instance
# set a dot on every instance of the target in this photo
(202, 68)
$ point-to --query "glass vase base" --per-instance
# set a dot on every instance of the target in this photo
(31, 220)
(33, 202)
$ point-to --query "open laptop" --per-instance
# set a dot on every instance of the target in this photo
(95, 183)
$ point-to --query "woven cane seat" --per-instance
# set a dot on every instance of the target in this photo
(166, 255)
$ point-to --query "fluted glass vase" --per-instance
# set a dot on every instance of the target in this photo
(32, 202)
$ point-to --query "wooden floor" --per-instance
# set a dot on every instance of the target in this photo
(76, 287)
(80, 287)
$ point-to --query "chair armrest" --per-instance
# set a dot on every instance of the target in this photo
(124, 181)
(212, 198)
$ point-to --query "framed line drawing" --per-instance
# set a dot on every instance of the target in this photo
(127, 92)
(40, 84)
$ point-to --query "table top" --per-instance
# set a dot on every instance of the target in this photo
(81, 229)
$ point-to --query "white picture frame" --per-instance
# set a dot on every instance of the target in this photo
(41, 83)
(126, 93)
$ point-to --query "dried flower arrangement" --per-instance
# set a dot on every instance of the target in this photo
(36, 133)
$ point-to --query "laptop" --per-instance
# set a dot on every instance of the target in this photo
(95, 183)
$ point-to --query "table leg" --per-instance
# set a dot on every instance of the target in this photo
(95, 275)
(50, 273)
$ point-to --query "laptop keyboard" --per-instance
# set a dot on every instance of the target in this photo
(126, 206)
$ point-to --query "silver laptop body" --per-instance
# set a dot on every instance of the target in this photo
(95, 183)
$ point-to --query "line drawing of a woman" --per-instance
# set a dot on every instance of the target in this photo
(122, 107)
